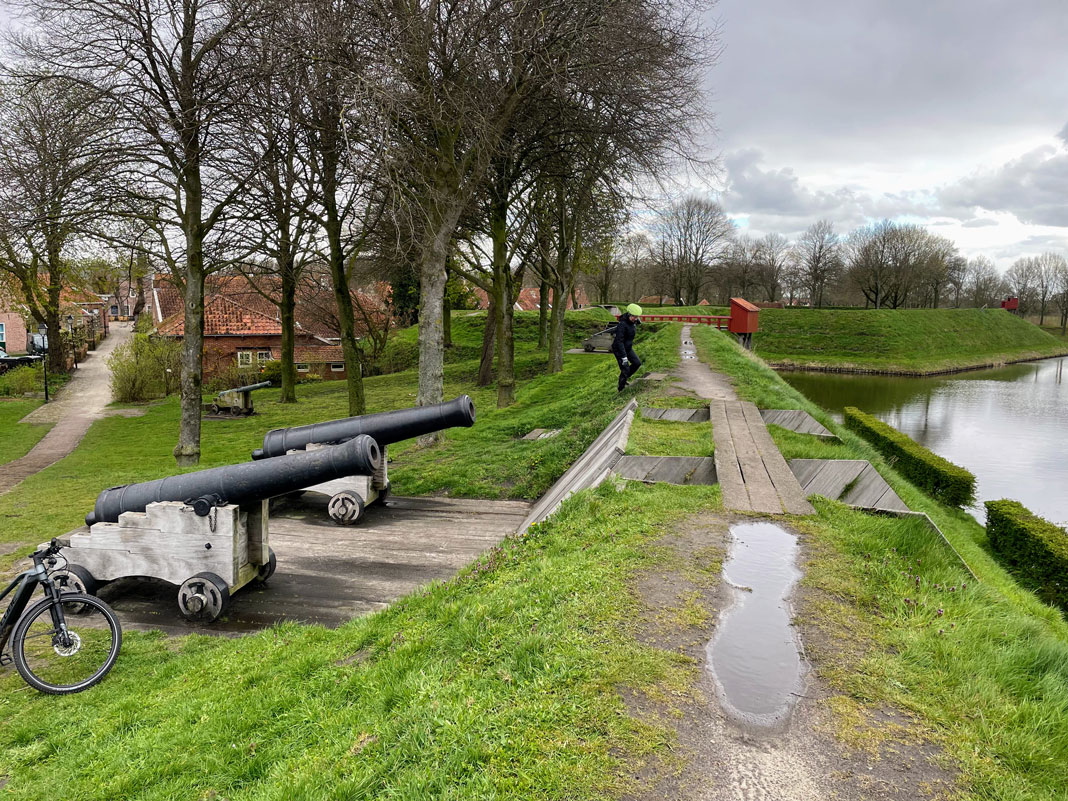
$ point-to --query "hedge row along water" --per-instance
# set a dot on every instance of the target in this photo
(938, 477)
(1036, 548)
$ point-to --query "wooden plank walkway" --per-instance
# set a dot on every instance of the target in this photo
(851, 481)
(684, 470)
(329, 573)
(752, 473)
(676, 415)
(796, 420)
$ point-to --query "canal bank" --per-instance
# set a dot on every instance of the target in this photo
(1008, 426)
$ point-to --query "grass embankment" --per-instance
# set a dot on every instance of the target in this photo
(501, 683)
(895, 619)
(16, 439)
(907, 341)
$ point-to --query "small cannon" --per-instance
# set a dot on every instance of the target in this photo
(349, 496)
(205, 531)
(237, 401)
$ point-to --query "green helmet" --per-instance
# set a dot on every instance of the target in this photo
(634, 309)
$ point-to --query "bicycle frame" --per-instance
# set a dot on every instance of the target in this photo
(27, 584)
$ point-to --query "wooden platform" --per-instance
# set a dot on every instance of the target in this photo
(677, 415)
(329, 573)
(683, 470)
(796, 420)
(752, 473)
(851, 481)
(590, 469)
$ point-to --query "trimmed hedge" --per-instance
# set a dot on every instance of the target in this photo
(1033, 546)
(939, 477)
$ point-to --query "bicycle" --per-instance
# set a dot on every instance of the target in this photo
(66, 642)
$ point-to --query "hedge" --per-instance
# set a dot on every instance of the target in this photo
(938, 477)
(1034, 547)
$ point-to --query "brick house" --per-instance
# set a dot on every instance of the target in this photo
(242, 328)
(530, 299)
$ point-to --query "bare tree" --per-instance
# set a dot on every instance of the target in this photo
(170, 68)
(1060, 289)
(984, 282)
(694, 235)
(772, 256)
(1022, 278)
(57, 157)
(1046, 267)
(820, 259)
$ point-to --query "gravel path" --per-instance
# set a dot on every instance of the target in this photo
(79, 403)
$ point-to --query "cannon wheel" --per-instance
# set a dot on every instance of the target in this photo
(267, 570)
(214, 408)
(75, 578)
(589, 347)
(204, 598)
(346, 507)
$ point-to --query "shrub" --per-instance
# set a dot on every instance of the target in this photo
(21, 380)
(939, 477)
(1035, 548)
(145, 368)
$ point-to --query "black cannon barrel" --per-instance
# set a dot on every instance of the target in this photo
(241, 483)
(249, 388)
(385, 427)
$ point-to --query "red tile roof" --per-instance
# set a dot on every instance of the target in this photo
(224, 317)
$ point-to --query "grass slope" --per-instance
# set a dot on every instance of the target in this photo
(982, 669)
(16, 439)
(900, 340)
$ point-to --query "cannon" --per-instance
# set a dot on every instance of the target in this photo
(349, 496)
(206, 531)
(237, 401)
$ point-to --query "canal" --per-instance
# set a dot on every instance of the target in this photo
(1008, 425)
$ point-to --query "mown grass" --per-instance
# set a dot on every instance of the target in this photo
(16, 439)
(899, 340)
(986, 679)
(499, 684)
(669, 438)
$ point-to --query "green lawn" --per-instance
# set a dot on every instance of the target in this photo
(16, 439)
(505, 683)
(901, 340)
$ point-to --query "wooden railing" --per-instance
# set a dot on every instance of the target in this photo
(699, 319)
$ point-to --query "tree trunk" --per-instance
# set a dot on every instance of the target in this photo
(556, 327)
(489, 338)
(287, 313)
(502, 297)
(431, 333)
(543, 314)
(187, 451)
(347, 322)
(446, 318)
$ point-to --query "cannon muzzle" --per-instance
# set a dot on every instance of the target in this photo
(385, 427)
(249, 388)
(242, 483)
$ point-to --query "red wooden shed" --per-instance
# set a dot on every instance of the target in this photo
(743, 317)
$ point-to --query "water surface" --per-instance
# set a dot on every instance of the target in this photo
(755, 656)
(1008, 425)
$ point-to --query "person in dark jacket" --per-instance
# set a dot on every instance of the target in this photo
(623, 344)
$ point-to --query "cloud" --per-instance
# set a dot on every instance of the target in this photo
(1032, 187)
(978, 222)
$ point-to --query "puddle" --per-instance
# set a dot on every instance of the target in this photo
(755, 656)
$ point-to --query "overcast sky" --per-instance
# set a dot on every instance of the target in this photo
(946, 112)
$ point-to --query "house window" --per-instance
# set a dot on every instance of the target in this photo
(337, 367)
(244, 358)
(3, 336)
(263, 356)
(114, 311)
(303, 367)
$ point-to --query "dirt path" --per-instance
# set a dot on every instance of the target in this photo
(79, 403)
(719, 758)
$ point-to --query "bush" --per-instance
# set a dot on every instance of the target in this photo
(21, 380)
(939, 477)
(145, 368)
(1035, 548)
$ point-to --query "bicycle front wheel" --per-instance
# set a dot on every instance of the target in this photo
(70, 658)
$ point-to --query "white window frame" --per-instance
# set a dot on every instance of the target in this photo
(303, 367)
(263, 356)
(244, 358)
(337, 367)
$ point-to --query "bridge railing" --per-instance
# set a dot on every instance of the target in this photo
(693, 319)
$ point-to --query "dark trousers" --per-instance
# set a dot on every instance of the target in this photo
(625, 373)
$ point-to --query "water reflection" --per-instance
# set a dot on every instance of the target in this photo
(1008, 425)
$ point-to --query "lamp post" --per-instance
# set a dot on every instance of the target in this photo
(73, 344)
(42, 329)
